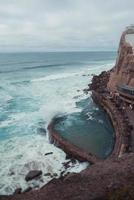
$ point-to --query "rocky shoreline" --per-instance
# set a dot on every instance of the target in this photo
(114, 108)
(113, 105)
(105, 179)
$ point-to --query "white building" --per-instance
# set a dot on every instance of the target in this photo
(130, 29)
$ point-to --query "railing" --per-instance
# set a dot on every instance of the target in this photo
(131, 26)
(126, 89)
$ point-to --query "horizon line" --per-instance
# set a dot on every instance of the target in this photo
(72, 51)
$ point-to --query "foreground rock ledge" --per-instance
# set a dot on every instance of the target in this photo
(97, 182)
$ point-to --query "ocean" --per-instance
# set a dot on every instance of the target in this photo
(34, 89)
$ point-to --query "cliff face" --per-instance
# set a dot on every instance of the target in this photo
(123, 72)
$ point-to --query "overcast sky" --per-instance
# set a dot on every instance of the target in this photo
(63, 25)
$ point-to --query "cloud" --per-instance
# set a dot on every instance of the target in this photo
(63, 25)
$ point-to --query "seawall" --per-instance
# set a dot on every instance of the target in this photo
(120, 123)
(69, 148)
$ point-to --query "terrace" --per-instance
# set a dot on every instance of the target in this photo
(129, 37)
(126, 93)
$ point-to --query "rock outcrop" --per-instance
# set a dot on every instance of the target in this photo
(101, 181)
(123, 72)
(33, 174)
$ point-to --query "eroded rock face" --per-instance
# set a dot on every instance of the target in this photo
(99, 83)
(123, 72)
(33, 174)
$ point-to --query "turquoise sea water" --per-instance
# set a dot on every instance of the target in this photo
(34, 88)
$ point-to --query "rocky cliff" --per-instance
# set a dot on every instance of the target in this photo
(123, 72)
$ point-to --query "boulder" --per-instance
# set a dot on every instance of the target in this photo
(27, 189)
(18, 191)
(49, 153)
(47, 174)
(33, 174)
(66, 164)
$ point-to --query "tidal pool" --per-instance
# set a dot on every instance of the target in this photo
(90, 129)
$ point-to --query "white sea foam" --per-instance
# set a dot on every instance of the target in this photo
(4, 97)
(21, 154)
(28, 153)
(55, 77)
(84, 71)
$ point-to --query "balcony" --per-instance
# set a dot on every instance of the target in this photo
(126, 93)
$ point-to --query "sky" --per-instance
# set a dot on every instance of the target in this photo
(63, 25)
